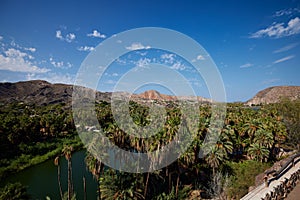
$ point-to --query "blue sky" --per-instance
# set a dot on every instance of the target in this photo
(254, 44)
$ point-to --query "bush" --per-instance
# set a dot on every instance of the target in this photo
(243, 177)
(14, 191)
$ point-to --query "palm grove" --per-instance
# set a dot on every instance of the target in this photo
(249, 142)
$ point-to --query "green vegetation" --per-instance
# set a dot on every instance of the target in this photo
(30, 135)
(290, 114)
(15, 191)
(243, 176)
(249, 142)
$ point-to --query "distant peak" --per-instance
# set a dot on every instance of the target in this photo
(150, 94)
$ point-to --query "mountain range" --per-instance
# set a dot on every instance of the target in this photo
(43, 93)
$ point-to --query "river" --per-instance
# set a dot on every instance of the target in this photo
(42, 179)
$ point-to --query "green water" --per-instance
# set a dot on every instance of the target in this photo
(42, 179)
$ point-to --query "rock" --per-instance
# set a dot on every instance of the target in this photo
(275, 94)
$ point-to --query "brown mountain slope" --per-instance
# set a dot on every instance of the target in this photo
(274, 94)
(43, 93)
(154, 95)
(39, 92)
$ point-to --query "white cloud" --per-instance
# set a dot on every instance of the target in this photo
(278, 30)
(58, 35)
(178, 66)
(97, 34)
(30, 49)
(85, 48)
(121, 61)
(30, 57)
(17, 61)
(136, 46)
(168, 58)
(1, 37)
(289, 11)
(283, 12)
(286, 48)
(200, 57)
(246, 65)
(60, 64)
(52, 77)
(17, 46)
(283, 59)
(14, 44)
(70, 37)
(143, 62)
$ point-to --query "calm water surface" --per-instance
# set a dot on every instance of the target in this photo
(42, 179)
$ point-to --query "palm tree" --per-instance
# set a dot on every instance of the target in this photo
(215, 157)
(264, 138)
(122, 186)
(258, 152)
(67, 151)
(57, 163)
(224, 142)
(96, 167)
(251, 127)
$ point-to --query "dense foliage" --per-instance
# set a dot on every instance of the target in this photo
(250, 137)
(31, 134)
(14, 191)
(290, 113)
(248, 134)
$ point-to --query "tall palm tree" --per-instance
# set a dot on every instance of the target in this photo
(215, 157)
(264, 138)
(57, 163)
(224, 142)
(258, 152)
(122, 186)
(96, 167)
(67, 151)
(251, 127)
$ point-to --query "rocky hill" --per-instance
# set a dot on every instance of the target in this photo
(41, 92)
(274, 94)
(152, 94)
(155, 95)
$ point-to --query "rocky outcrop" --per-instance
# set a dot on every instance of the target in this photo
(154, 95)
(37, 92)
(41, 92)
(275, 94)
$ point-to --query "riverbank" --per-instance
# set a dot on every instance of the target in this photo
(48, 150)
(41, 180)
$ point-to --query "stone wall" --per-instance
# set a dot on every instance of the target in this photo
(282, 190)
